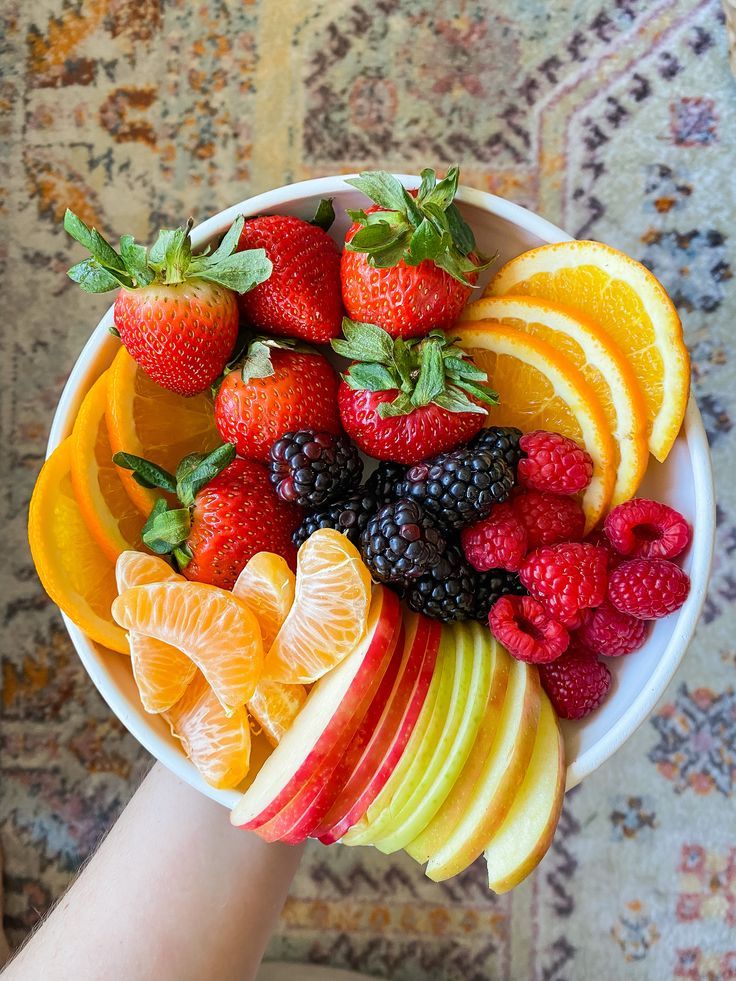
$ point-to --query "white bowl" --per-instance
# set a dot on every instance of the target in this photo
(685, 481)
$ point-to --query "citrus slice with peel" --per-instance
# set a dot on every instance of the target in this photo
(218, 743)
(330, 611)
(72, 567)
(215, 630)
(267, 585)
(149, 421)
(601, 364)
(630, 304)
(112, 518)
(539, 388)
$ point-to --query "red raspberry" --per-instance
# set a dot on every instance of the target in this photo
(611, 633)
(553, 463)
(575, 684)
(566, 578)
(548, 518)
(526, 631)
(647, 529)
(497, 542)
(648, 588)
(600, 538)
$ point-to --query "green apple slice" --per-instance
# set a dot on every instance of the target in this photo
(529, 827)
(470, 694)
(416, 757)
(505, 763)
(458, 801)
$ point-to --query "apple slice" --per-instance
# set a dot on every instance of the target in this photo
(457, 802)
(369, 765)
(505, 763)
(309, 744)
(307, 807)
(469, 697)
(522, 841)
(376, 822)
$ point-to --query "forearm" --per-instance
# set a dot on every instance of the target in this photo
(173, 893)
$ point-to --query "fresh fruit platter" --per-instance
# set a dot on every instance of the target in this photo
(371, 511)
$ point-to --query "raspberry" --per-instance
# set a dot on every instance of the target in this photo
(497, 542)
(566, 578)
(521, 624)
(648, 588)
(600, 538)
(611, 633)
(548, 518)
(575, 684)
(553, 463)
(647, 529)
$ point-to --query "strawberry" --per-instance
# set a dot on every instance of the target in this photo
(410, 262)
(407, 400)
(301, 298)
(228, 512)
(277, 388)
(176, 313)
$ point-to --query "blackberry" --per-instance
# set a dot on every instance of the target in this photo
(459, 487)
(400, 542)
(447, 591)
(349, 515)
(311, 469)
(382, 482)
(491, 586)
(502, 442)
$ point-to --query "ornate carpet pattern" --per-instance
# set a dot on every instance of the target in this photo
(613, 118)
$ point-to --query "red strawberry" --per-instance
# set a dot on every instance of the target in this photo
(409, 262)
(228, 512)
(176, 312)
(302, 296)
(405, 401)
(274, 391)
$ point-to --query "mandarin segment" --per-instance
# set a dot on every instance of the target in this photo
(330, 611)
(215, 629)
(274, 706)
(267, 585)
(72, 567)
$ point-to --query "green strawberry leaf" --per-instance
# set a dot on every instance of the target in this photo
(478, 392)
(95, 243)
(196, 471)
(229, 242)
(154, 475)
(324, 216)
(462, 233)
(381, 187)
(377, 235)
(425, 243)
(135, 258)
(239, 272)
(373, 377)
(464, 369)
(183, 556)
(431, 380)
(455, 400)
(429, 181)
(257, 363)
(364, 342)
(402, 405)
(92, 278)
(389, 255)
(166, 530)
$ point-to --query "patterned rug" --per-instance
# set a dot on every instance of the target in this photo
(615, 119)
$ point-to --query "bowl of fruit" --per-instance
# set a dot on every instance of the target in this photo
(379, 511)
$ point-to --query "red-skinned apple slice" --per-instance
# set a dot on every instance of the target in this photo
(309, 744)
(308, 806)
(388, 741)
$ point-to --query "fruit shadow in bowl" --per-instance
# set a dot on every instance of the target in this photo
(684, 481)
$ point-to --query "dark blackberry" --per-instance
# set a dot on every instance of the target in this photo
(400, 542)
(491, 586)
(349, 515)
(311, 469)
(384, 479)
(447, 591)
(459, 487)
(502, 442)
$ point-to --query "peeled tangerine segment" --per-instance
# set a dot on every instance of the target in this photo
(217, 742)
(527, 831)
(139, 568)
(72, 567)
(330, 611)
(213, 628)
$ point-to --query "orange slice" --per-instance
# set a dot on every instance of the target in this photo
(218, 743)
(330, 611)
(161, 672)
(149, 421)
(601, 364)
(111, 517)
(539, 388)
(267, 585)
(72, 567)
(215, 629)
(629, 304)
